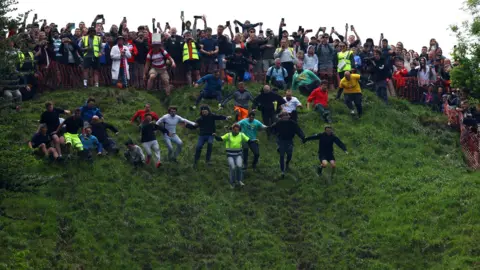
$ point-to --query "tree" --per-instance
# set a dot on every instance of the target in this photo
(466, 73)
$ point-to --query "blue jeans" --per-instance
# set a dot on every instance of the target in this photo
(381, 90)
(202, 139)
(176, 140)
(206, 95)
(122, 78)
(285, 147)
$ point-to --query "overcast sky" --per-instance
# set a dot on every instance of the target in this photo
(413, 22)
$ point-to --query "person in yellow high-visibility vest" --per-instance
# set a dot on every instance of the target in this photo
(191, 59)
(345, 60)
(92, 50)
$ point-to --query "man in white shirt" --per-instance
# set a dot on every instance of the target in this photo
(170, 121)
(291, 105)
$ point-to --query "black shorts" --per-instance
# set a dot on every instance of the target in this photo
(192, 65)
(326, 156)
(91, 63)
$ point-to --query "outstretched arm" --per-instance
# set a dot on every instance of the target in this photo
(340, 144)
(312, 138)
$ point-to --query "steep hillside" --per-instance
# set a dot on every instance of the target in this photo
(402, 198)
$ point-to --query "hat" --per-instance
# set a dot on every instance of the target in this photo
(186, 31)
(269, 30)
(120, 37)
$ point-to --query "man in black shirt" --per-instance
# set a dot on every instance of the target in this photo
(382, 73)
(142, 47)
(174, 46)
(206, 124)
(270, 103)
(325, 148)
(51, 118)
(149, 140)
(285, 129)
(99, 130)
(42, 140)
(72, 125)
(224, 49)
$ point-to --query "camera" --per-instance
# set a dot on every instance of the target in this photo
(197, 17)
(228, 23)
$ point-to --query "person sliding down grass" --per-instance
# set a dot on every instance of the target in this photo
(149, 140)
(41, 142)
(325, 148)
(170, 121)
(134, 154)
(206, 124)
(233, 143)
(241, 97)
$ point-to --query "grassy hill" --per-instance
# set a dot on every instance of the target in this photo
(403, 198)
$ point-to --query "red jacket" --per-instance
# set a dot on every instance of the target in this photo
(398, 77)
(133, 50)
(141, 114)
(318, 96)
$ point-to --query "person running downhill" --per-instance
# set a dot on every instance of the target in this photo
(291, 105)
(141, 114)
(170, 121)
(149, 140)
(270, 103)
(241, 97)
(353, 92)
(286, 129)
(206, 124)
(250, 126)
(325, 148)
(233, 143)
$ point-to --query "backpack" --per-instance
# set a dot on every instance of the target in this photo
(283, 72)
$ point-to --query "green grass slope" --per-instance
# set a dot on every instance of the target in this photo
(403, 198)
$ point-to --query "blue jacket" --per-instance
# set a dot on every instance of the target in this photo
(90, 142)
(87, 113)
(212, 84)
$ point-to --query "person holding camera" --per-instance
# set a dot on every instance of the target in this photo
(224, 48)
(326, 55)
(191, 57)
(209, 49)
(268, 50)
(287, 58)
(381, 74)
(345, 60)
(120, 54)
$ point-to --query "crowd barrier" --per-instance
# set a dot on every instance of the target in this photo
(469, 140)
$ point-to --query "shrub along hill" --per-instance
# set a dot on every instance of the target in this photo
(402, 198)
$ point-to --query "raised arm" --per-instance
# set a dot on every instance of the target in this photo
(356, 35)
